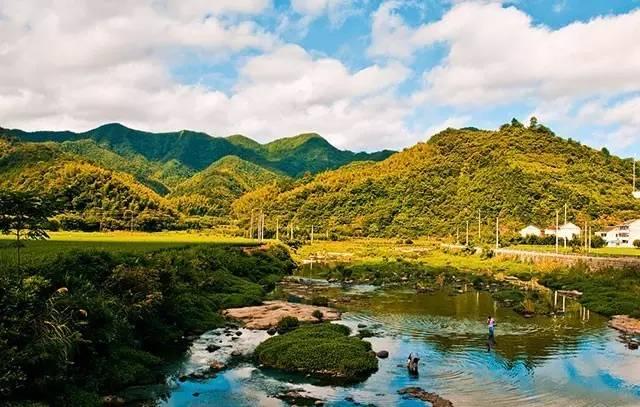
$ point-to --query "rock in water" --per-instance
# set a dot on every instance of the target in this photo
(383, 354)
(212, 348)
(421, 394)
(272, 331)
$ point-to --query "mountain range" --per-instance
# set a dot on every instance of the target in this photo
(521, 174)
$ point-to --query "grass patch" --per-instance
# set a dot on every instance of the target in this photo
(322, 350)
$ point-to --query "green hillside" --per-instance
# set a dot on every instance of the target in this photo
(211, 191)
(89, 196)
(196, 151)
(525, 174)
(157, 176)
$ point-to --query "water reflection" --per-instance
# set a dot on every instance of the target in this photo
(565, 360)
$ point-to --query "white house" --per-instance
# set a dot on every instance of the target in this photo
(566, 231)
(622, 235)
(531, 231)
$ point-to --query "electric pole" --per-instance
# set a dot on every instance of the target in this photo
(467, 242)
(311, 234)
(277, 228)
(497, 232)
(557, 231)
(479, 226)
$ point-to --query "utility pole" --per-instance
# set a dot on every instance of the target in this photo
(565, 213)
(277, 228)
(634, 174)
(262, 230)
(458, 235)
(497, 232)
(311, 234)
(557, 231)
(467, 242)
(479, 226)
(590, 235)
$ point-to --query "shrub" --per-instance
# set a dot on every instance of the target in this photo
(317, 314)
(323, 350)
(636, 243)
(287, 324)
(319, 301)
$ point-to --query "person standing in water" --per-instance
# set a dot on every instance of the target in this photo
(491, 323)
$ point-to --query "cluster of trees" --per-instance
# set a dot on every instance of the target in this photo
(88, 324)
(519, 173)
(596, 241)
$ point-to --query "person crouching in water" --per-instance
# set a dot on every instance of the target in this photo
(412, 364)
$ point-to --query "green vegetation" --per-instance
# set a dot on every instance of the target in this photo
(322, 350)
(287, 324)
(86, 324)
(521, 173)
(196, 151)
(211, 191)
(23, 216)
(608, 292)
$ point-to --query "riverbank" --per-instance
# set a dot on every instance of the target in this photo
(87, 325)
(426, 266)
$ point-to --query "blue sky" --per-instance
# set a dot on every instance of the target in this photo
(365, 74)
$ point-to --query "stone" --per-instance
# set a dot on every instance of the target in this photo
(112, 400)
(196, 394)
(272, 331)
(421, 394)
(267, 315)
(183, 378)
(238, 333)
(633, 345)
(362, 325)
(216, 366)
(383, 354)
(626, 324)
(212, 348)
(236, 353)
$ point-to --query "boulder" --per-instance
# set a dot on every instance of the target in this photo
(383, 354)
(238, 333)
(362, 325)
(272, 331)
(236, 353)
(421, 394)
(216, 366)
(212, 348)
(112, 400)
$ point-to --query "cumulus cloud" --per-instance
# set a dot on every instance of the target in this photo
(496, 55)
(81, 69)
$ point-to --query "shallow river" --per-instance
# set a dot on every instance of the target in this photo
(568, 360)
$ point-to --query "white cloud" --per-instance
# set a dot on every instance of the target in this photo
(60, 72)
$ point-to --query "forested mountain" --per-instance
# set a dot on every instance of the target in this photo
(89, 196)
(196, 151)
(524, 174)
(212, 191)
(304, 153)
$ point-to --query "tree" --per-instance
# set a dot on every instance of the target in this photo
(636, 243)
(24, 215)
(533, 123)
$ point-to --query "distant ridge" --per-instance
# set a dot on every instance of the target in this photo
(293, 156)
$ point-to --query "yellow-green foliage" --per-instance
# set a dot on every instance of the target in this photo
(321, 350)
(524, 174)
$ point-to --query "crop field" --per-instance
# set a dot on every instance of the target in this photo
(35, 251)
(603, 251)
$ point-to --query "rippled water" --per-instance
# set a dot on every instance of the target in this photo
(567, 360)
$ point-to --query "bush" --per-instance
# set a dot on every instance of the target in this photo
(287, 324)
(317, 314)
(323, 350)
(319, 301)
(636, 243)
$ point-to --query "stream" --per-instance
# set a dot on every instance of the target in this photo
(572, 359)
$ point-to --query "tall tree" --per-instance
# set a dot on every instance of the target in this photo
(24, 215)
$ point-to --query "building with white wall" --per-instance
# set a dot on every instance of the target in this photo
(531, 231)
(622, 235)
(567, 231)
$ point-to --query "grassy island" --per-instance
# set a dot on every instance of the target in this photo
(322, 350)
